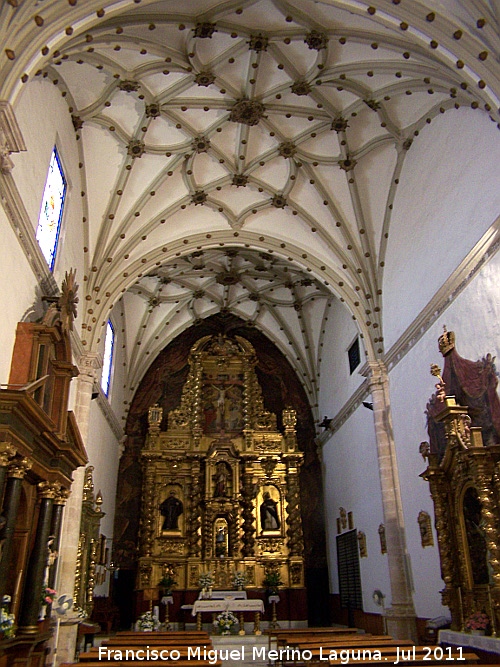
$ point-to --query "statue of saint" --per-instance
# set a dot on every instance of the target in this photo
(171, 509)
(269, 519)
(221, 479)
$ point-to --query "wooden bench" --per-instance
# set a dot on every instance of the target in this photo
(362, 643)
(322, 640)
(173, 633)
(104, 655)
(420, 660)
(149, 638)
(277, 633)
(147, 663)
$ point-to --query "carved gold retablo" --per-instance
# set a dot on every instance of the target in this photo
(220, 485)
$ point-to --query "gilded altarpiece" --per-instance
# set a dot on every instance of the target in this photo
(221, 483)
(464, 479)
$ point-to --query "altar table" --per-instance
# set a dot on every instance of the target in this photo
(236, 606)
(453, 638)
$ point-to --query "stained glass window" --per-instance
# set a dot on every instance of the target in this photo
(107, 364)
(49, 220)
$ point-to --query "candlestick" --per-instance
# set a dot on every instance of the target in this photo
(493, 619)
(459, 589)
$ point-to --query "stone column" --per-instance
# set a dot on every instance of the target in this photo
(401, 617)
(16, 472)
(34, 582)
(87, 365)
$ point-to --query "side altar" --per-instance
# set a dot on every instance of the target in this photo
(221, 484)
(463, 472)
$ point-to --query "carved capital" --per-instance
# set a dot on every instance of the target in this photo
(11, 140)
(88, 365)
(377, 374)
(19, 468)
(62, 497)
(49, 490)
(7, 452)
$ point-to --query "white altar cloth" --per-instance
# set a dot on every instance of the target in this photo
(224, 595)
(228, 604)
(453, 638)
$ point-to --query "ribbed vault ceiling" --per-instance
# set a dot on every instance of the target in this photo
(246, 155)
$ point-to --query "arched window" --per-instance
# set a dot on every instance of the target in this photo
(49, 219)
(107, 364)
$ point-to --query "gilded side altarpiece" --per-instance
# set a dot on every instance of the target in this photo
(464, 479)
(221, 483)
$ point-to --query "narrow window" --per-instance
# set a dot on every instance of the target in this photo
(107, 364)
(49, 220)
(354, 356)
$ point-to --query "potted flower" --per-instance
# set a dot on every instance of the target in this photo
(48, 595)
(205, 582)
(7, 620)
(477, 623)
(272, 581)
(147, 622)
(165, 585)
(225, 623)
(239, 580)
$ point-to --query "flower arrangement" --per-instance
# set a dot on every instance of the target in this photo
(7, 621)
(147, 622)
(225, 622)
(272, 580)
(239, 580)
(48, 595)
(477, 621)
(205, 580)
(167, 582)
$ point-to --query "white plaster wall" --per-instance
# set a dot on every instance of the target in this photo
(17, 292)
(351, 480)
(336, 383)
(448, 196)
(103, 451)
(41, 131)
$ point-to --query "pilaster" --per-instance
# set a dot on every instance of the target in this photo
(401, 617)
(88, 364)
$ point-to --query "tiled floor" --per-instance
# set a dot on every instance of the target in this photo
(246, 651)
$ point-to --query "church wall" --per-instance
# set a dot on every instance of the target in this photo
(336, 383)
(351, 480)
(104, 454)
(41, 131)
(17, 287)
(475, 318)
(447, 199)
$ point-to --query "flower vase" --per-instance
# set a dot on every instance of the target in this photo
(479, 633)
(210, 592)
